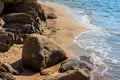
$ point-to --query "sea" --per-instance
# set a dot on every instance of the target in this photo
(102, 40)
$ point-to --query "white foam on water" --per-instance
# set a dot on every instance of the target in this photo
(88, 41)
(93, 40)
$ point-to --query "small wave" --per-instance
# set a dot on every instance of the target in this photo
(97, 39)
(98, 62)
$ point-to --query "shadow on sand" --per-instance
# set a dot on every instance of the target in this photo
(24, 72)
(78, 51)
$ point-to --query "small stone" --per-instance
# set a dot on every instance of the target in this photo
(44, 73)
(51, 16)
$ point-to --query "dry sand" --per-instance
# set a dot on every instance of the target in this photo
(61, 31)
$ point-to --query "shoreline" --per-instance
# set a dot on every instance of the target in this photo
(61, 31)
(67, 27)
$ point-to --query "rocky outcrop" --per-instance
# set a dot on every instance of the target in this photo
(82, 62)
(79, 74)
(1, 6)
(25, 12)
(17, 18)
(20, 18)
(39, 53)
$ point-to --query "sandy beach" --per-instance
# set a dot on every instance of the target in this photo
(61, 31)
(65, 26)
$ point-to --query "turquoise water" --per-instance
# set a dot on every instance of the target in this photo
(102, 40)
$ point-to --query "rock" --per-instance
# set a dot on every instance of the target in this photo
(51, 16)
(7, 76)
(6, 71)
(40, 53)
(81, 62)
(1, 22)
(5, 67)
(6, 40)
(20, 18)
(17, 18)
(79, 74)
(19, 29)
(19, 40)
(1, 25)
(44, 73)
(1, 6)
(26, 11)
(4, 47)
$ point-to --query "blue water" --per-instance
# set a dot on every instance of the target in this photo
(102, 40)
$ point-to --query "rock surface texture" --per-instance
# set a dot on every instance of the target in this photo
(82, 62)
(39, 53)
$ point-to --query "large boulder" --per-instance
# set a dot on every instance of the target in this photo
(39, 53)
(79, 74)
(82, 62)
(17, 18)
(1, 6)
